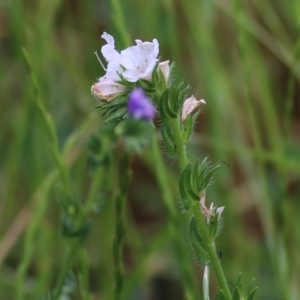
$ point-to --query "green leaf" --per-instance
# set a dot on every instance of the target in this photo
(147, 86)
(195, 176)
(238, 291)
(220, 296)
(187, 127)
(207, 177)
(213, 226)
(236, 295)
(251, 295)
(114, 110)
(188, 196)
(197, 242)
(199, 172)
(157, 77)
(239, 284)
(179, 95)
(165, 112)
(251, 292)
(168, 140)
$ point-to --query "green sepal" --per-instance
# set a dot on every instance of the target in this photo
(195, 175)
(157, 77)
(179, 94)
(115, 110)
(208, 177)
(220, 296)
(197, 242)
(168, 140)
(198, 173)
(203, 175)
(117, 116)
(147, 86)
(238, 291)
(164, 108)
(213, 226)
(129, 85)
(187, 194)
(187, 127)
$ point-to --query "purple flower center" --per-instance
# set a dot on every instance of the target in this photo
(140, 106)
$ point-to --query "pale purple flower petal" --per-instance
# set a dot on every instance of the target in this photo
(108, 50)
(113, 71)
(140, 60)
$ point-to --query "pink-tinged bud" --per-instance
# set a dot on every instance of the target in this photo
(165, 69)
(107, 89)
(190, 105)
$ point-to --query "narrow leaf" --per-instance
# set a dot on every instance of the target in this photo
(183, 181)
(220, 296)
(251, 296)
(197, 242)
(165, 112)
(168, 140)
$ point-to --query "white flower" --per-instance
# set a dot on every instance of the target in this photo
(189, 106)
(164, 67)
(107, 89)
(140, 60)
(108, 50)
(113, 58)
(134, 63)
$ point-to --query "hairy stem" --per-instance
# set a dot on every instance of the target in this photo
(120, 228)
(209, 245)
(181, 249)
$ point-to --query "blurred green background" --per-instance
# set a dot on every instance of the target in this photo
(242, 57)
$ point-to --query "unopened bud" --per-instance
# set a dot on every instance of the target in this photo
(107, 89)
(190, 105)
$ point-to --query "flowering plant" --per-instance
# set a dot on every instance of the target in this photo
(134, 87)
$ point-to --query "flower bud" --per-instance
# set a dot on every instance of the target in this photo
(190, 105)
(107, 89)
(140, 106)
(164, 67)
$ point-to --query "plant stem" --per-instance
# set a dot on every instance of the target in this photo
(71, 251)
(118, 18)
(211, 250)
(120, 201)
(179, 146)
(209, 245)
(181, 249)
(84, 274)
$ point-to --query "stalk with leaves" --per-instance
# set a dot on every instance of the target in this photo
(135, 82)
